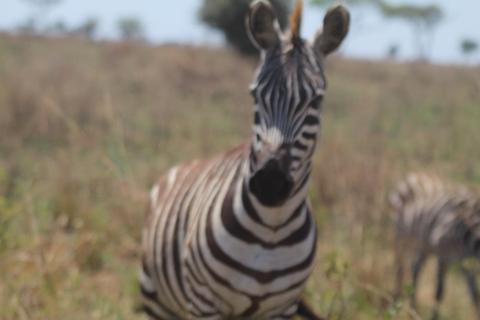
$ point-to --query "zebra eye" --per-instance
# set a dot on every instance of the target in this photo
(257, 99)
(315, 103)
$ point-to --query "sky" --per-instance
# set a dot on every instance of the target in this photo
(177, 21)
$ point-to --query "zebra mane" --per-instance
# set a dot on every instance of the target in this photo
(296, 21)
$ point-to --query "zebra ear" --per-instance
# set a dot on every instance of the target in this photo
(262, 25)
(335, 28)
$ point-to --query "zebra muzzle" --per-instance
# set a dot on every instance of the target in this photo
(271, 184)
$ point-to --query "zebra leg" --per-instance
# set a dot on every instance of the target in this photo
(151, 305)
(442, 268)
(416, 268)
(472, 287)
(399, 262)
(306, 312)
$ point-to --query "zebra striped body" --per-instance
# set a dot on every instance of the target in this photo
(234, 237)
(439, 218)
(218, 257)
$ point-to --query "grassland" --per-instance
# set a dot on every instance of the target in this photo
(86, 128)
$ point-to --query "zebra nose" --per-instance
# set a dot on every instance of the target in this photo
(271, 184)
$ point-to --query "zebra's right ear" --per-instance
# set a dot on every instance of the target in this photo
(335, 27)
(262, 25)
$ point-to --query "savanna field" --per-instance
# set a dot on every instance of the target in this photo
(86, 129)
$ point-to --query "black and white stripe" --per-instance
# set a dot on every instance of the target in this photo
(212, 247)
(434, 217)
(216, 253)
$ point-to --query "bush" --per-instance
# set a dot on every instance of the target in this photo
(229, 17)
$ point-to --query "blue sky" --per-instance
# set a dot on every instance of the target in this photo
(177, 21)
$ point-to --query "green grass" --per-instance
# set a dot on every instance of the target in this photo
(86, 129)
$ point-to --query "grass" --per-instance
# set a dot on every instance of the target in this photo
(86, 128)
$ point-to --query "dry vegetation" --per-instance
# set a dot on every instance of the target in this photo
(86, 128)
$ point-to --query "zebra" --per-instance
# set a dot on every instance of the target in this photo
(233, 236)
(435, 217)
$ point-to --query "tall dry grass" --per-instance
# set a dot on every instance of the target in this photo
(85, 129)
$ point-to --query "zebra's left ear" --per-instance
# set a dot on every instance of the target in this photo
(335, 28)
(262, 25)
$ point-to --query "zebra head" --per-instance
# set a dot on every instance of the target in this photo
(288, 93)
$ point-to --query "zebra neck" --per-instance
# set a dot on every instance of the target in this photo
(245, 203)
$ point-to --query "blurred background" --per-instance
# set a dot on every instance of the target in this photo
(395, 28)
(99, 98)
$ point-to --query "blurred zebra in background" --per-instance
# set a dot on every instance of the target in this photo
(439, 218)
(234, 237)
